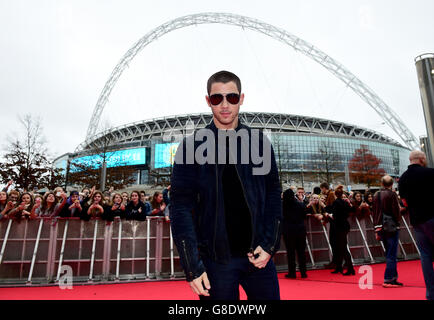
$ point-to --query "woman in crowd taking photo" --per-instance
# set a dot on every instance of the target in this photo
(48, 207)
(158, 205)
(136, 209)
(294, 232)
(339, 228)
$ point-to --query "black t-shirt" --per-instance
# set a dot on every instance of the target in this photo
(237, 214)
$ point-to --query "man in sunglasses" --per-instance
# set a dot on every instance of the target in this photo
(225, 219)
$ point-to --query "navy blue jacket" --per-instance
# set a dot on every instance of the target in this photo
(197, 206)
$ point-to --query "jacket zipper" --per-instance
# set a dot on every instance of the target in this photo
(248, 206)
(276, 233)
(216, 208)
(187, 260)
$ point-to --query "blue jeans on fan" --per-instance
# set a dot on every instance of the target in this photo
(225, 279)
(391, 246)
(425, 241)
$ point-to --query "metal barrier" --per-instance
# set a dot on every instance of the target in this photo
(97, 251)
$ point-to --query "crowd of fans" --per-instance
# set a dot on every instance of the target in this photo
(333, 207)
(328, 206)
(86, 204)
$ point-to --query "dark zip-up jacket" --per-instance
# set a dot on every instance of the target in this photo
(197, 203)
(412, 186)
(341, 210)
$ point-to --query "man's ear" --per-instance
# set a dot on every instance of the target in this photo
(207, 101)
(241, 99)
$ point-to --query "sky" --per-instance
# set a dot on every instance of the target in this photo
(56, 57)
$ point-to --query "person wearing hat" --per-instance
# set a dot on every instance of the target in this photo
(73, 206)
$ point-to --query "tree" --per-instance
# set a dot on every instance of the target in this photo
(364, 167)
(25, 160)
(327, 162)
(88, 174)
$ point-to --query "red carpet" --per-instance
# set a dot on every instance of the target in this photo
(320, 285)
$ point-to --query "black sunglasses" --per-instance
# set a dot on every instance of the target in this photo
(216, 99)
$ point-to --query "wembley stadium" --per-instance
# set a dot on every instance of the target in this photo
(299, 143)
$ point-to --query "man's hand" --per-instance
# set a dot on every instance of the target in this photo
(198, 284)
(262, 259)
(377, 235)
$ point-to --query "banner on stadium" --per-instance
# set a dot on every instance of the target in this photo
(129, 157)
(165, 154)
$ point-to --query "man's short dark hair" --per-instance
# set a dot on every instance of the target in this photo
(324, 185)
(224, 77)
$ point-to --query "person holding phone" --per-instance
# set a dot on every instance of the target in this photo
(117, 208)
(48, 207)
(24, 209)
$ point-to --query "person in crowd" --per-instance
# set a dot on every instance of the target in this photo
(95, 207)
(329, 197)
(166, 199)
(58, 193)
(329, 194)
(117, 208)
(143, 196)
(12, 202)
(24, 209)
(369, 201)
(136, 209)
(386, 203)
(125, 198)
(358, 205)
(73, 207)
(37, 196)
(294, 232)
(85, 192)
(301, 195)
(158, 205)
(48, 207)
(339, 228)
(317, 190)
(316, 208)
(418, 177)
(3, 202)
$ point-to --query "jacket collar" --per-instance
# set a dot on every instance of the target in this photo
(213, 127)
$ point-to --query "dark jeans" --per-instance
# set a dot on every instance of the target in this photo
(391, 246)
(425, 241)
(295, 242)
(333, 244)
(340, 252)
(225, 279)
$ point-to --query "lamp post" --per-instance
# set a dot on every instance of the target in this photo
(425, 74)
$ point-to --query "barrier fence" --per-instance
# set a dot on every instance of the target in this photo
(37, 252)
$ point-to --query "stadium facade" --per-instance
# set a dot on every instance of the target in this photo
(305, 147)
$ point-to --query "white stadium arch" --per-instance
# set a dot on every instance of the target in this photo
(337, 69)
